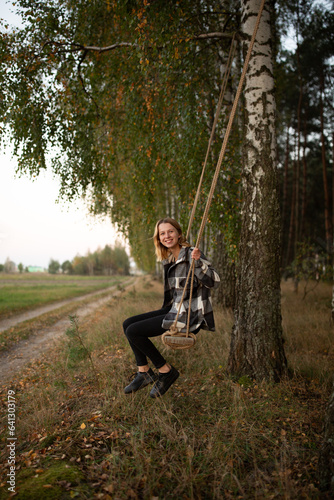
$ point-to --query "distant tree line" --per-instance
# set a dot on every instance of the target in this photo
(10, 267)
(107, 261)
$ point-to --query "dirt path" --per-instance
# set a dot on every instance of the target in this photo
(7, 323)
(28, 350)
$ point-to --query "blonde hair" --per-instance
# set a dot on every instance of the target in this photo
(160, 250)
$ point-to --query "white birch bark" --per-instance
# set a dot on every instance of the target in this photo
(256, 344)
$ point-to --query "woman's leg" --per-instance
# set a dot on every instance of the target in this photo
(138, 330)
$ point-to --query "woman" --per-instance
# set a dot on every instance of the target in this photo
(176, 255)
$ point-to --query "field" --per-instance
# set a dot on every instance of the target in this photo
(210, 437)
(22, 292)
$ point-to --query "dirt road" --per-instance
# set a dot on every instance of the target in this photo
(7, 323)
(28, 350)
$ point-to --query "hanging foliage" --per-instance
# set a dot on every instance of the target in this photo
(119, 98)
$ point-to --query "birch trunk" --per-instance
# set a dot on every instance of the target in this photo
(256, 343)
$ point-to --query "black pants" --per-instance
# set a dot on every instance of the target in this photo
(138, 329)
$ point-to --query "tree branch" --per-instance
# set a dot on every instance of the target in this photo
(76, 47)
(108, 48)
(204, 36)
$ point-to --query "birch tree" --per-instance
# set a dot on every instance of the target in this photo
(117, 98)
(256, 343)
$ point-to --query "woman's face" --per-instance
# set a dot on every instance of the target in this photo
(168, 236)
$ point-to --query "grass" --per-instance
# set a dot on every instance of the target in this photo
(209, 437)
(19, 293)
(28, 328)
(50, 479)
(40, 277)
(308, 331)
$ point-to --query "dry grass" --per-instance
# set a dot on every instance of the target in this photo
(308, 330)
(20, 293)
(207, 438)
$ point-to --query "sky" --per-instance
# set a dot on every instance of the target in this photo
(34, 227)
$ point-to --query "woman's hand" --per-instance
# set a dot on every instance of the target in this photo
(196, 254)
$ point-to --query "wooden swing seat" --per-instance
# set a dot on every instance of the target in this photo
(178, 340)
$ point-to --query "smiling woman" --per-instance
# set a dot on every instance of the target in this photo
(176, 255)
(168, 239)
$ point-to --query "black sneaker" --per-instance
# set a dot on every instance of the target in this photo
(165, 380)
(142, 379)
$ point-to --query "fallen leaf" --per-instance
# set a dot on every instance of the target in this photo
(109, 488)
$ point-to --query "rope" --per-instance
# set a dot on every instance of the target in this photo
(219, 106)
(229, 126)
(173, 329)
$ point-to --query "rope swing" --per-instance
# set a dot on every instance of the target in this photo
(173, 338)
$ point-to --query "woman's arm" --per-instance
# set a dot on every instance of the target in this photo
(204, 272)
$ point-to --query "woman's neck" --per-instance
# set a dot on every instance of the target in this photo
(175, 251)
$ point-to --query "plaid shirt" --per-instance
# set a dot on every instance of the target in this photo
(175, 276)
